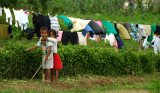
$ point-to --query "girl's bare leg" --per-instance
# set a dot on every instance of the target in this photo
(52, 73)
(48, 75)
(56, 76)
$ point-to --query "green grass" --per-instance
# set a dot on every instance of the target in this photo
(147, 82)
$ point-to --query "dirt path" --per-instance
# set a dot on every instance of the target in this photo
(80, 83)
(128, 91)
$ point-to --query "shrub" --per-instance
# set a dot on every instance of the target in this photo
(17, 63)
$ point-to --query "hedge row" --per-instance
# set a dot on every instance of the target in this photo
(17, 63)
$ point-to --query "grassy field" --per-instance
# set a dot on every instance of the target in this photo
(86, 84)
(90, 83)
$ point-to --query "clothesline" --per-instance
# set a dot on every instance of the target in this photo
(116, 33)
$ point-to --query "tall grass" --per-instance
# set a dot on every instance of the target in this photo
(154, 86)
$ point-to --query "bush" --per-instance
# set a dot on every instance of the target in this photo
(17, 63)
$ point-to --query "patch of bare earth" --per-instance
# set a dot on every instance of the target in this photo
(81, 83)
(127, 91)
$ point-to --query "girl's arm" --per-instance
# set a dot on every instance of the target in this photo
(35, 47)
(53, 40)
(49, 51)
(32, 48)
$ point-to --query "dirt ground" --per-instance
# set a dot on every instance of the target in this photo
(85, 82)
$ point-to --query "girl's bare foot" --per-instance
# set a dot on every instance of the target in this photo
(43, 81)
(47, 81)
(55, 81)
(52, 81)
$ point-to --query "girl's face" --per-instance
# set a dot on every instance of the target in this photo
(52, 35)
(44, 33)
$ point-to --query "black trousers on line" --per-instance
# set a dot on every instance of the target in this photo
(72, 36)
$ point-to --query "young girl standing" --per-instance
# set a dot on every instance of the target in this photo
(47, 53)
(57, 60)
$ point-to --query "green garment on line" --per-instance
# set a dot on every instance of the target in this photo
(4, 31)
(67, 21)
(110, 29)
(153, 29)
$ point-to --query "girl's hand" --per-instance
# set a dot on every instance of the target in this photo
(46, 58)
(27, 49)
(46, 39)
(42, 39)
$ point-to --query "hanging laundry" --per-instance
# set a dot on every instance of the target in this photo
(27, 12)
(120, 43)
(119, 40)
(146, 43)
(141, 31)
(102, 36)
(17, 17)
(97, 38)
(123, 32)
(9, 29)
(78, 24)
(153, 29)
(68, 35)
(59, 38)
(55, 23)
(110, 29)
(147, 29)
(141, 47)
(46, 21)
(99, 23)
(30, 31)
(67, 21)
(23, 20)
(156, 41)
(113, 42)
(126, 25)
(0, 11)
(41, 21)
(96, 28)
(134, 32)
(157, 30)
(88, 29)
(115, 26)
(4, 31)
(110, 38)
(8, 15)
(82, 40)
(38, 23)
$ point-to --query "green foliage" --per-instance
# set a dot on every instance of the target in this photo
(154, 86)
(80, 6)
(17, 63)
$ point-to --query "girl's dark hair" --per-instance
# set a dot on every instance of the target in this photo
(54, 32)
(43, 28)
